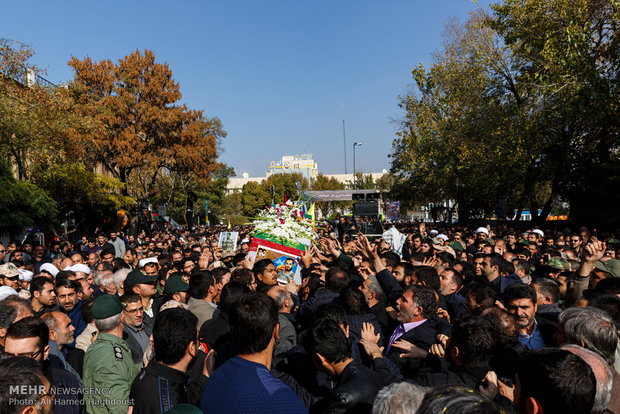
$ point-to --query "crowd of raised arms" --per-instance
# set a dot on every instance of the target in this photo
(419, 318)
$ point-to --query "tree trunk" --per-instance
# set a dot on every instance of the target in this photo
(534, 209)
(122, 176)
(547, 208)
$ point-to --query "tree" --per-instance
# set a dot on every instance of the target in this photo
(285, 184)
(141, 131)
(23, 204)
(36, 120)
(82, 195)
(39, 134)
(254, 197)
(569, 59)
(463, 121)
(362, 182)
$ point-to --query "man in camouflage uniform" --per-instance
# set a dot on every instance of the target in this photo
(108, 366)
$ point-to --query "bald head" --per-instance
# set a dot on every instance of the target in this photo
(61, 329)
(282, 298)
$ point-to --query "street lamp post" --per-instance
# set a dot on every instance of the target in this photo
(355, 144)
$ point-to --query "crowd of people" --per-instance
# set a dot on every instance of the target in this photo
(420, 319)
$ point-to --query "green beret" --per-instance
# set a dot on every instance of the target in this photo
(175, 283)
(137, 276)
(106, 306)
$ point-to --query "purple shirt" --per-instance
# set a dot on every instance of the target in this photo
(402, 329)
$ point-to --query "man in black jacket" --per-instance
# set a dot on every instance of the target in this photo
(336, 279)
(416, 309)
(468, 352)
(215, 333)
(357, 385)
(166, 382)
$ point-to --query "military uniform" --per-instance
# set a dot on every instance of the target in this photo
(108, 374)
(108, 367)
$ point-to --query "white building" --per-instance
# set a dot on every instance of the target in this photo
(289, 164)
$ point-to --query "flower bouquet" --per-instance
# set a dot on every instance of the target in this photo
(286, 221)
(282, 233)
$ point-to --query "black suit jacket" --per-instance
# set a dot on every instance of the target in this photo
(423, 337)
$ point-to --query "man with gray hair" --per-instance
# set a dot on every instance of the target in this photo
(284, 303)
(108, 363)
(591, 328)
(594, 330)
(399, 398)
(119, 280)
(105, 280)
(602, 373)
(375, 299)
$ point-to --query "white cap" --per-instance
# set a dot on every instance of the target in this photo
(25, 275)
(433, 232)
(80, 267)
(482, 230)
(6, 291)
(49, 268)
(442, 237)
(146, 261)
(539, 232)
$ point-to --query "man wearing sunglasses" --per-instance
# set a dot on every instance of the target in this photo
(29, 337)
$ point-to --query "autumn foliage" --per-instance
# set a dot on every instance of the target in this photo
(103, 141)
(142, 130)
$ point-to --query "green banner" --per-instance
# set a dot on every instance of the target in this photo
(281, 240)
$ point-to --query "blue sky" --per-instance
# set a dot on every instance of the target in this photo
(279, 74)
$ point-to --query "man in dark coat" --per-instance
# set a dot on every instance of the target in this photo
(166, 382)
(357, 386)
(416, 309)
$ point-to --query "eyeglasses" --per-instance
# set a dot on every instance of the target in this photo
(3, 251)
(32, 355)
(50, 394)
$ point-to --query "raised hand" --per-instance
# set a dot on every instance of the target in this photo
(429, 261)
(370, 341)
(594, 251)
(306, 257)
(443, 314)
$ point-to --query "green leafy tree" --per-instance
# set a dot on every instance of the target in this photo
(23, 204)
(286, 184)
(363, 182)
(462, 136)
(569, 58)
(81, 195)
(254, 197)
